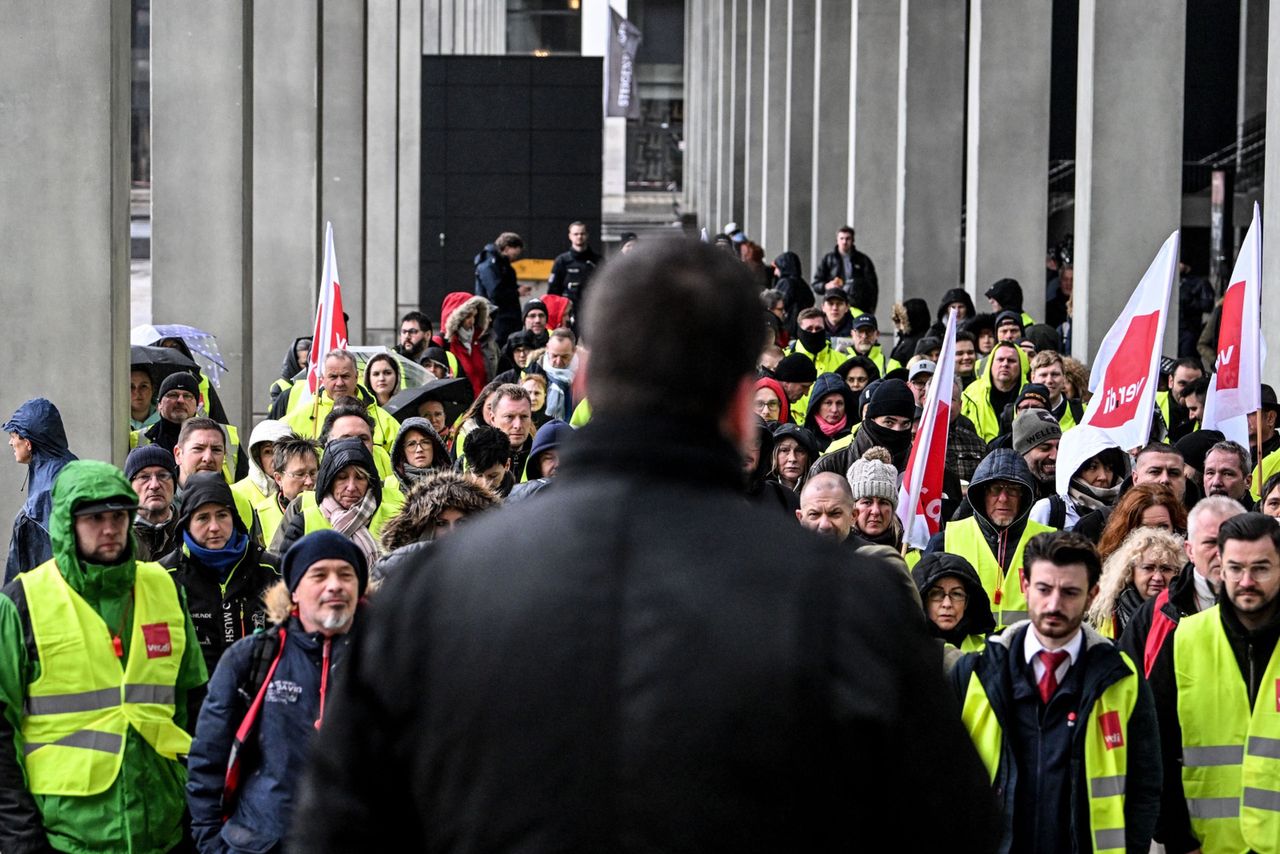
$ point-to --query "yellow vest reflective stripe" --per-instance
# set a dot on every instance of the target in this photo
(1105, 750)
(79, 710)
(1230, 753)
(965, 538)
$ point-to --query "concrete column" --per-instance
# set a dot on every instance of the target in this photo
(342, 89)
(776, 109)
(832, 73)
(202, 180)
(738, 136)
(872, 194)
(930, 148)
(688, 198)
(716, 96)
(595, 31)
(1128, 197)
(1271, 204)
(430, 11)
(408, 162)
(725, 94)
(64, 143)
(1007, 191)
(753, 119)
(797, 232)
(381, 76)
(287, 235)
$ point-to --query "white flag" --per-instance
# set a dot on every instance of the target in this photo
(330, 332)
(920, 496)
(1125, 371)
(1235, 389)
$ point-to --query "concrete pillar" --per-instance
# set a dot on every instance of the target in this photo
(1007, 191)
(797, 232)
(738, 136)
(64, 146)
(776, 109)
(930, 148)
(342, 90)
(64, 142)
(381, 76)
(408, 162)
(287, 234)
(832, 74)
(716, 56)
(872, 195)
(699, 126)
(1271, 204)
(688, 197)
(430, 11)
(753, 119)
(1128, 197)
(202, 180)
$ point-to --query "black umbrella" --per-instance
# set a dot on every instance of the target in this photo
(160, 362)
(454, 392)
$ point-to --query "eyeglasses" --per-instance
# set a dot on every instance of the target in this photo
(1162, 568)
(309, 474)
(1007, 489)
(1257, 573)
(158, 477)
(958, 596)
(418, 444)
(771, 405)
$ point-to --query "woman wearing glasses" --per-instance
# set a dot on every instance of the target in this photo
(417, 452)
(955, 604)
(1144, 564)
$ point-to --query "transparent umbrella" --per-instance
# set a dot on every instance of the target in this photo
(201, 346)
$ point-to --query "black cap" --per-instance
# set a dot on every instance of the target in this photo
(105, 505)
(1008, 317)
(836, 295)
(181, 380)
(865, 321)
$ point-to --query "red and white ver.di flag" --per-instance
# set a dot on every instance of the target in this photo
(1235, 389)
(920, 496)
(1125, 372)
(330, 332)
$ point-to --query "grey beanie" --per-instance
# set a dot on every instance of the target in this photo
(874, 476)
(1034, 427)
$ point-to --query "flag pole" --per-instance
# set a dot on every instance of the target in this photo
(1257, 469)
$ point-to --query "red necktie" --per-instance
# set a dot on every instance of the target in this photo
(1049, 681)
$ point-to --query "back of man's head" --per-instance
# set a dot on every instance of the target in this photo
(641, 363)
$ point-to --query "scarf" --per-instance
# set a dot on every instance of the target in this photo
(353, 523)
(559, 381)
(222, 560)
(413, 474)
(832, 429)
(896, 442)
(1091, 497)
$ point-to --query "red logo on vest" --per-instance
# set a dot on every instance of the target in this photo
(157, 637)
(1278, 695)
(1112, 735)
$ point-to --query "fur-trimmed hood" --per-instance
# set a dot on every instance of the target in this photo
(460, 306)
(428, 498)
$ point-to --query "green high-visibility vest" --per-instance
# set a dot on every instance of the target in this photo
(79, 710)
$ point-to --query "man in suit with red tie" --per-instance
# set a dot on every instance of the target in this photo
(1062, 718)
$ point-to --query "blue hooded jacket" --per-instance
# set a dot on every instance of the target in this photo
(39, 422)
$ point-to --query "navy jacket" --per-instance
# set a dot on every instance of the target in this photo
(274, 759)
(496, 282)
(39, 422)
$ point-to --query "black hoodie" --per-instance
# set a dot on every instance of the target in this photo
(762, 487)
(917, 311)
(977, 619)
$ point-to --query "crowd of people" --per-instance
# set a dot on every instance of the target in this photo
(627, 571)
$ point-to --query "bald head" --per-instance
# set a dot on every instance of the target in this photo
(826, 506)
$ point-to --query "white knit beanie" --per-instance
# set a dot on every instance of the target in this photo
(874, 475)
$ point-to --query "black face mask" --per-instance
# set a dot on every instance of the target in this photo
(814, 342)
(896, 442)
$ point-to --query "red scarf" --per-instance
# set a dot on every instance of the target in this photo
(832, 429)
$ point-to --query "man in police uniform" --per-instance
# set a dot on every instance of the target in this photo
(572, 269)
(1219, 705)
(97, 659)
(1061, 718)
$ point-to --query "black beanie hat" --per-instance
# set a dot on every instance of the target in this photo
(147, 456)
(796, 368)
(320, 545)
(1195, 446)
(892, 397)
(181, 380)
(207, 487)
(535, 304)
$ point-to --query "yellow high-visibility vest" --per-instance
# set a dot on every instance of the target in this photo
(79, 710)
(1008, 603)
(1230, 753)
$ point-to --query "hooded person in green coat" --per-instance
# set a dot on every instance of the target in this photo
(141, 810)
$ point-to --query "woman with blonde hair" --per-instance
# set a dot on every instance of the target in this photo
(1145, 563)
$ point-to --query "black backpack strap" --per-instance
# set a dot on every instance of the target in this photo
(266, 647)
(1057, 512)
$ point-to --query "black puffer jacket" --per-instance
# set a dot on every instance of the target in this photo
(863, 288)
(576, 699)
